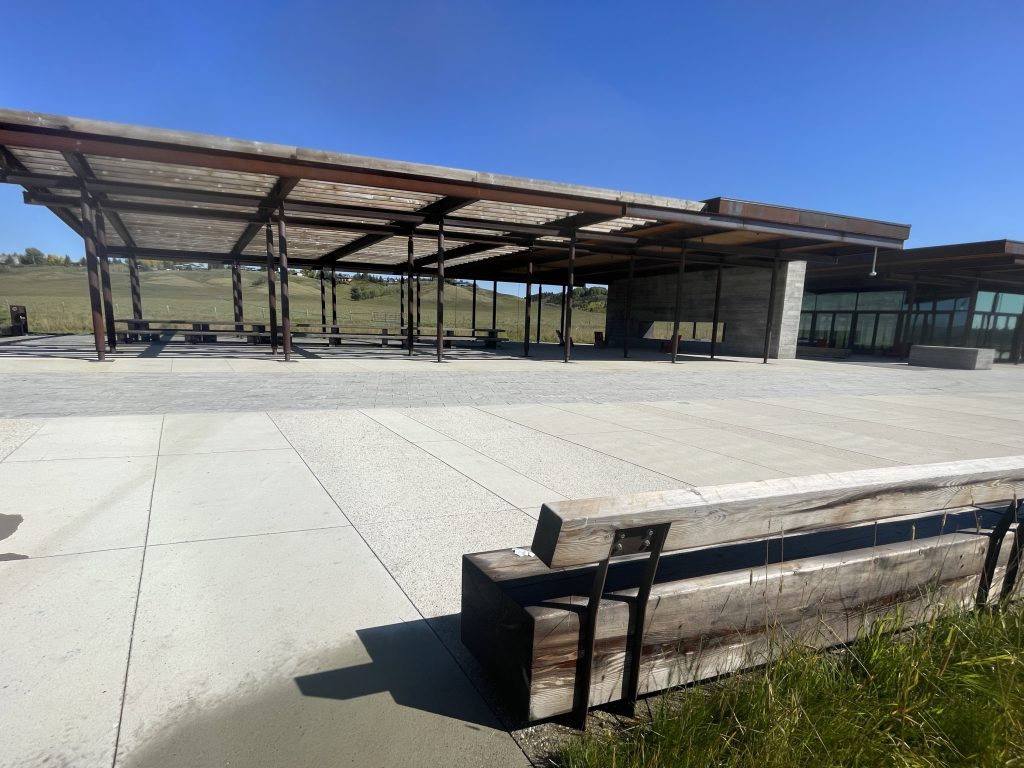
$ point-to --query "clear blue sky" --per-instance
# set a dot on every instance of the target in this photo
(906, 111)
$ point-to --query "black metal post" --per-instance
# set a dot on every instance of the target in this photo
(401, 304)
(286, 318)
(93, 271)
(410, 329)
(769, 321)
(473, 318)
(540, 304)
(526, 321)
(271, 292)
(629, 306)
(906, 324)
(494, 305)
(561, 318)
(136, 286)
(440, 291)
(104, 260)
(1018, 347)
(418, 293)
(678, 305)
(334, 300)
(567, 329)
(714, 320)
(236, 296)
(323, 303)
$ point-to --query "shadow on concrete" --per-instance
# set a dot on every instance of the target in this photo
(414, 669)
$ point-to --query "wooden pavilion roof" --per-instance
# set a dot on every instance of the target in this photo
(197, 198)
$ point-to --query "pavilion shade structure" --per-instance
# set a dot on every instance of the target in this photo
(191, 197)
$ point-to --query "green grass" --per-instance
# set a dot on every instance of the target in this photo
(949, 693)
(58, 301)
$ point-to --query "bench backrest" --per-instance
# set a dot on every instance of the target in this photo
(581, 532)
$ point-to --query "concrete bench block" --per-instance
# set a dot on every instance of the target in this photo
(965, 358)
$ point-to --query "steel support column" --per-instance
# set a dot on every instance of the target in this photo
(93, 270)
(678, 305)
(410, 330)
(136, 286)
(418, 304)
(629, 305)
(323, 303)
(286, 318)
(104, 261)
(526, 321)
(567, 329)
(494, 305)
(540, 304)
(473, 316)
(440, 291)
(401, 304)
(769, 321)
(334, 299)
(271, 290)
(236, 296)
(561, 318)
(714, 319)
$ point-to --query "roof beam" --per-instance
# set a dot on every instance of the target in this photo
(274, 198)
(84, 171)
(10, 165)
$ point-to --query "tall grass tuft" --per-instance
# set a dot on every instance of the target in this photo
(947, 693)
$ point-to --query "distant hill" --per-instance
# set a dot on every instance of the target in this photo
(58, 301)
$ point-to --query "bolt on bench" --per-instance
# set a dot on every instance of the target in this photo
(624, 596)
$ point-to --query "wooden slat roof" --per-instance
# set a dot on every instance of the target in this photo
(200, 198)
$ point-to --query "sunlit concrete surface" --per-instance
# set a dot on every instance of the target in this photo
(261, 567)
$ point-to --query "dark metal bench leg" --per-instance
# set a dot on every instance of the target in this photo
(650, 539)
(992, 556)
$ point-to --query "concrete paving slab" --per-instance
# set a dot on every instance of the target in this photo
(403, 426)
(749, 413)
(14, 432)
(892, 448)
(293, 649)
(465, 424)
(765, 451)
(205, 496)
(515, 488)
(65, 626)
(550, 420)
(200, 365)
(92, 437)
(961, 447)
(374, 483)
(425, 556)
(218, 432)
(571, 469)
(317, 432)
(684, 463)
(76, 505)
(634, 415)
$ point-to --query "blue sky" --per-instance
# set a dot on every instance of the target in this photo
(906, 111)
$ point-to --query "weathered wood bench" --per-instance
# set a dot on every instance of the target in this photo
(623, 596)
(194, 331)
(963, 358)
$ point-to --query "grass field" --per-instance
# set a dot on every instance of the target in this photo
(58, 301)
(949, 693)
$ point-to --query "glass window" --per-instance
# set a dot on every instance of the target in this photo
(945, 305)
(963, 303)
(925, 306)
(804, 336)
(880, 300)
(832, 301)
(1010, 303)
(808, 305)
(985, 301)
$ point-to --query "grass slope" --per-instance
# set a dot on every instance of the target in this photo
(949, 693)
(58, 301)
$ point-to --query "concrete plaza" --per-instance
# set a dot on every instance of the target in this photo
(237, 561)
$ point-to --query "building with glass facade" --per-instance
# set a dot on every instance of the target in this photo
(965, 295)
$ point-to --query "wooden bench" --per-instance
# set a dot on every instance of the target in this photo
(623, 596)
(194, 331)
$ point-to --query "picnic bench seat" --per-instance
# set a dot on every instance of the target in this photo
(623, 596)
(194, 331)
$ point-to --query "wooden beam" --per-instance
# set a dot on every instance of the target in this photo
(281, 189)
(580, 531)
